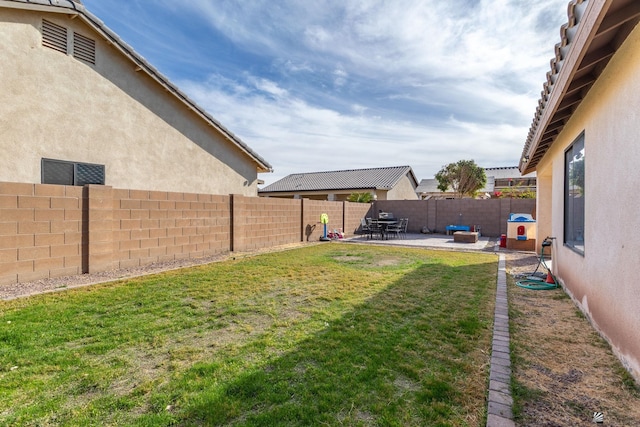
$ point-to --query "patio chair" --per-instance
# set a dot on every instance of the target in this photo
(374, 228)
(405, 224)
(364, 226)
(399, 229)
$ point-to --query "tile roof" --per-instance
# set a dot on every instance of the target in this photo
(76, 7)
(507, 172)
(354, 179)
(594, 31)
(428, 185)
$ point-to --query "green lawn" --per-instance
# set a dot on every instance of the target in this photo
(331, 334)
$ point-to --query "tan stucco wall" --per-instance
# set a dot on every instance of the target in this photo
(544, 206)
(404, 190)
(55, 106)
(605, 280)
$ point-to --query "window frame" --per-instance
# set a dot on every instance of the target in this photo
(573, 233)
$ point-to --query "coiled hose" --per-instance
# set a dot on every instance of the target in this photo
(537, 281)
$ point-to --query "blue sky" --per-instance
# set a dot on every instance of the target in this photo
(345, 84)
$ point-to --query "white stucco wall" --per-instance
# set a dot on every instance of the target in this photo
(605, 280)
(55, 106)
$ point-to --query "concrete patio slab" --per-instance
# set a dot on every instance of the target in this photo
(437, 241)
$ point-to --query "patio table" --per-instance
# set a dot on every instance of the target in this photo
(384, 223)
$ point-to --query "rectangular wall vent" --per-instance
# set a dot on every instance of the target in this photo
(62, 172)
(86, 173)
(57, 172)
(54, 36)
(84, 48)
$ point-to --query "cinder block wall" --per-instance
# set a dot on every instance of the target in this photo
(353, 212)
(415, 210)
(155, 226)
(490, 215)
(54, 230)
(312, 228)
(260, 222)
(482, 213)
(41, 231)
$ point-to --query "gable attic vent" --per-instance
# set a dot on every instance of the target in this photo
(84, 48)
(54, 36)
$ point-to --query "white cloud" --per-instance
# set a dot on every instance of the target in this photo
(340, 76)
(269, 87)
(296, 136)
(342, 84)
(358, 109)
(403, 40)
(293, 66)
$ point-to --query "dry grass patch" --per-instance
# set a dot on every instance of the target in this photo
(563, 371)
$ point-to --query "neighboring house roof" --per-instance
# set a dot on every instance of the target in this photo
(431, 185)
(588, 41)
(490, 186)
(77, 9)
(353, 179)
(507, 172)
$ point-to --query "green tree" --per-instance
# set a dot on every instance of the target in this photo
(465, 178)
(360, 197)
(576, 173)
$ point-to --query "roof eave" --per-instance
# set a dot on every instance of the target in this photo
(69, 7)
(66, 7)
(143, 65)
(407, 171)
(554, 92)
(316, 190)
(589, 40)
(413, 178)
(594, 32)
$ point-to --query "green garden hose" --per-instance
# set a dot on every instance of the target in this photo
(539, 283)
(536, 284)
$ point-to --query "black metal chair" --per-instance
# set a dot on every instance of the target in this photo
(364, 226)
(405, 224)
(374, 228)
(399, 229)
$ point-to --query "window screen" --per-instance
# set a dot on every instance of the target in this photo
(63, 172)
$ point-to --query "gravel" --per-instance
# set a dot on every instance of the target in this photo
(54, 284)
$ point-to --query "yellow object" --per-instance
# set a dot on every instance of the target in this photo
(324, 218)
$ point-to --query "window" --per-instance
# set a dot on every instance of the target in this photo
(574, 193)
(71, 173)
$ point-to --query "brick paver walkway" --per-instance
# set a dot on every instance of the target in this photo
(499, 412)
